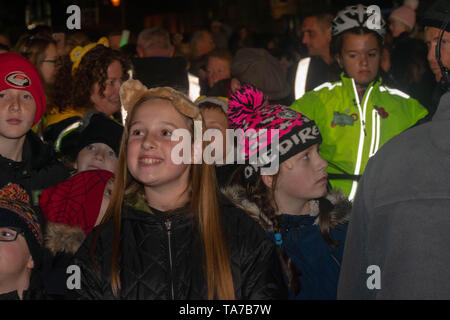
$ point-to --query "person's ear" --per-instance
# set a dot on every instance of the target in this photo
(329, 34)
(339, 60)
(75, 165)
(235, 85)
(267, 180)
(30, 263)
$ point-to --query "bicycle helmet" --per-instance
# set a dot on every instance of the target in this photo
(357, 16)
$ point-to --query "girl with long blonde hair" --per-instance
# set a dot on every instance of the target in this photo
(166, 233)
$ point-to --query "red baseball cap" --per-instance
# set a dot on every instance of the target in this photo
(16, 72)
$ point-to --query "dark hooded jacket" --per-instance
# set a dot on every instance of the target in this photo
(38, 170)
(318, 262)
(162, 257)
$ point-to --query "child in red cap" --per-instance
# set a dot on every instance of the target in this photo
(73, 207)
(24, 158)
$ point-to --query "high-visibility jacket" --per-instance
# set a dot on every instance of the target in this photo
(353, 129)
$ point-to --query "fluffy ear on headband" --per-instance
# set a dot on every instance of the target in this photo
(78, 52)
(130, 93)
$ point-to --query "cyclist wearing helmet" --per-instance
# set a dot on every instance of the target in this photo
(359, 113)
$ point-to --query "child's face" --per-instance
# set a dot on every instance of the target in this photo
(150, 146)
(303, 176)
(17, 111)
(96, 156)
(218, 69)
(15, 258)
(216, 119)
(397, 27)
(360, 57)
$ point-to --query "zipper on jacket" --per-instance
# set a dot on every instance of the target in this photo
(362, 114)
(169, 231)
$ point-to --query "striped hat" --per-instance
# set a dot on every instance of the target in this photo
(16, 212)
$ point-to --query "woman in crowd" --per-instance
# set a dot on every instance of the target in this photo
(94, 81)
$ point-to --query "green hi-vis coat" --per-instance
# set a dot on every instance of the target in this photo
(353, 129)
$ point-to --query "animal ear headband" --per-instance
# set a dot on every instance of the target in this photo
(132, 91)
(77, 53)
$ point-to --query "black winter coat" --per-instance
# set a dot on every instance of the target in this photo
(161, 258)
(38, 170)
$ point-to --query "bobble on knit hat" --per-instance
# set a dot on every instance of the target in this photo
(16, 72)
(248, 110)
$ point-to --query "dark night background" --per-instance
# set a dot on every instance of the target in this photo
(100, 16)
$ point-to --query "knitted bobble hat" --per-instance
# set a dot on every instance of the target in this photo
(16, 212)
(262, 124)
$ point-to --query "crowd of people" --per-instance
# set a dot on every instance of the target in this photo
(357, 131)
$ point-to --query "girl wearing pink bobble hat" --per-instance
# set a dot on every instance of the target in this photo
(24, 158)
(307, 223)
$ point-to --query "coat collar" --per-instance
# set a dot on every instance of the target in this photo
(339, 215)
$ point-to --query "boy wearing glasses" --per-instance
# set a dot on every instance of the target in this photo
(20, 246)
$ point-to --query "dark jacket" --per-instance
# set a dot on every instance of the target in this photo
(398, 242)
(161, 257)
(35, 290)
(38, 170)
(61, 243)
(318, 263)
(161, 71)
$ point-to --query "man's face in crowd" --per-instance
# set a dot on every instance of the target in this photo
(431, 39)
(316, 39)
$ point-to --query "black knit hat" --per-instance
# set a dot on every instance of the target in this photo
(437, 15)
(101, 129)
(16, 212)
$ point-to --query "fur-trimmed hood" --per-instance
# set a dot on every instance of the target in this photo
(63, 238)
(339, 215)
